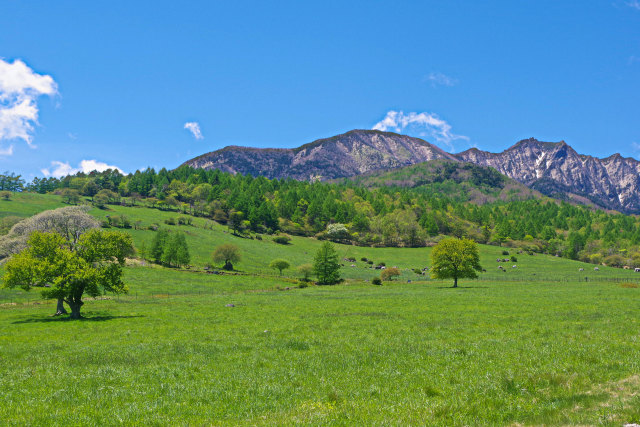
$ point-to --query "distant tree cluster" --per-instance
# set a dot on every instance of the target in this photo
(170, 249)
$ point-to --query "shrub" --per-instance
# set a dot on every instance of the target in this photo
(390, 273)
(170, 221)
(381, 264)
(303, 285)
(364, 259)
(282, 240)
(370, 262)
(376, 281)
(514, 258)
(505, 252)
(417, 271)
(6, 195)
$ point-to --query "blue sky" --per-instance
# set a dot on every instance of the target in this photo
(125, 77)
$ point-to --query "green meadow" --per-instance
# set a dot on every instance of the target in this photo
(542, 343)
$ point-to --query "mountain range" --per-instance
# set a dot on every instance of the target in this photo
(552, 168)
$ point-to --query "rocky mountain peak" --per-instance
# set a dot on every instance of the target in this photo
(554, 168)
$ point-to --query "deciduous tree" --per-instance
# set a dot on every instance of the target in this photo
(455, 258)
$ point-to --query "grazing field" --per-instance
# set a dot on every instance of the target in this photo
(487, 353)
(537, 344)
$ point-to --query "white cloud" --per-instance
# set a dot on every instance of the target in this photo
(60, 169)
(6, 151)
(635, 4)
(422, 124)
(440, 79)
(194, 128)
(20, 87)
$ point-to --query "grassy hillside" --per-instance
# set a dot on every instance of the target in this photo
(461, 181)
(520, 347)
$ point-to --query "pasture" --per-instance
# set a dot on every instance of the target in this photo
(536, 344)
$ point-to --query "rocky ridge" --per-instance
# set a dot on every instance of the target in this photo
(554, 169)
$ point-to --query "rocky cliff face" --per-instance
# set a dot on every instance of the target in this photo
(349, 154)
(554, 169)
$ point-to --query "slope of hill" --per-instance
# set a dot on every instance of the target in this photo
(554, 169)
(459, 181)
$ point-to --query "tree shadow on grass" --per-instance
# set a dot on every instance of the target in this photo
(102, 318)
(462, 287)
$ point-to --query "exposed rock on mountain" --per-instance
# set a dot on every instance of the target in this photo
(554, 169)
(349, 154)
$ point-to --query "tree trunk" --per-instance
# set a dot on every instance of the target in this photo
(455, 282)
(60, 310)
(75, 310)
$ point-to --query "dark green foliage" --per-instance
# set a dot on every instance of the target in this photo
(282, 240)
(326, 266)
(376, 281)
(170, 249)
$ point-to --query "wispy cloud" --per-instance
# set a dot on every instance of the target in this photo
(20, 87)
(439, 79)
(636, 147)
(60, 169)
(422, 124)
(194, 128)
(6, 151)
(635, 4)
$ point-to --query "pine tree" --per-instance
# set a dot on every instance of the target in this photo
(326, 266)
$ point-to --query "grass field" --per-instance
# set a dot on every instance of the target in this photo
(520, 347)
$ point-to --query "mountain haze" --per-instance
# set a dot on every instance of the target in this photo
(553, 168)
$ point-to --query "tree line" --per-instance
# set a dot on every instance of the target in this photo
(349, 213)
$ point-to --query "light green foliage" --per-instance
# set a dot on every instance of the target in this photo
(70, 196)
(305, 270)
(280, 265)
(454, 259)
(63, 272)
(389, 273)
(227, 253)
(337, 232)
(325, 265)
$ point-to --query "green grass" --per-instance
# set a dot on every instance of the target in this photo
(519, 347)
(27, 204)
(488, 353)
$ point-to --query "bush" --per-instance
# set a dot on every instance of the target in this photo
(282, 240)
(390, 273)
(370, 262)
(303, 285)
(376, 281)
(381, 264)
(6, 195)
(505, 252)
(170, 221)
(514, 258)
(363, 259)
(417, 271)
